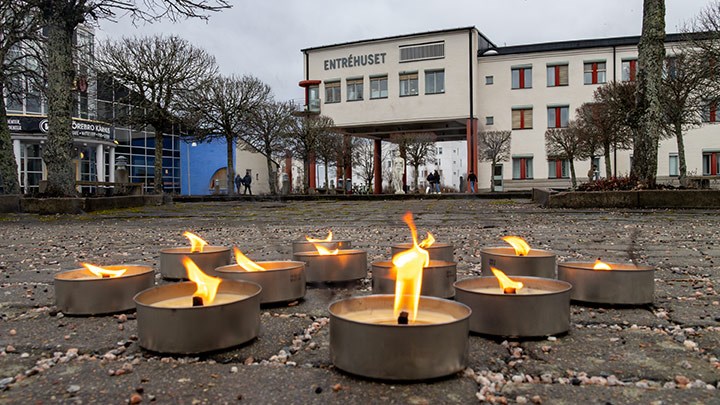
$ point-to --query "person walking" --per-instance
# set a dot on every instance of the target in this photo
(238, 182)
(472, 179)
(246, 181)
(436, 175)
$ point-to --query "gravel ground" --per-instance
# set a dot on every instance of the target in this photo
(656, 354)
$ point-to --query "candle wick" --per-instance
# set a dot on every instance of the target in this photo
(197, 301)
(403, 318)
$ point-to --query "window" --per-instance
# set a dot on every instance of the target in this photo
(522, 118)
(558, 116)
(557, 75)
(522, 168)
(711, 163)
(558, 168)
(629, 70)
(670, 68)
(489, 120)
(408, 84)
(434, 81)
(354, 89)
(489, 79)
(435, 50)
(332, 92)
(522, 77)
(313, 98)
(379, 87)
(439, 151)
(710, 113)
(595, 72)
(673, 167)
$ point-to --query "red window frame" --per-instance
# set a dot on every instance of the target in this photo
(521, 77)
(632, 75)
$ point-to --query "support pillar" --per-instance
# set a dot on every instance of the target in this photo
(288, 171)
(312, 173)
(111, 156)
(472, 147)
(377, 167)
(403, 155)
(100, 163)
(347, 152)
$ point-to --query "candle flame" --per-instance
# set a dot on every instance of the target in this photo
(244, 262)
(408, 266)
(328, 239)
(323, 251)
(196, 243)
(521, 247)
(599, 265)
(206, 285)
(102, 272)
(506, 284)
(428, 241)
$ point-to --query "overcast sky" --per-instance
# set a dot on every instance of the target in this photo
(264, 37)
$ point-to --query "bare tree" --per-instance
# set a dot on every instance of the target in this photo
(564, 143)
(328, 151)
(364, 158)
(304, 138)
(683, 101)
(61, 18)
(223, 109)
(703, 44)
(419, 150)
(163, 73)
(266, 130)
(651, 53)
(494, 148)
(19, 24)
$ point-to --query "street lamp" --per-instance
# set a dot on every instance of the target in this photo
(193, 144)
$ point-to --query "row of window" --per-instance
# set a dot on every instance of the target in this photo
(560, 168)
(407, 81)
(594, 72)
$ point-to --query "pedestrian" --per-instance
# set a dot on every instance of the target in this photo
(437, 181)
(246, 181)
(472, 179)
(238, 182)
(431, 183)
(591, 173)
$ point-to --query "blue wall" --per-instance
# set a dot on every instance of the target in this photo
(205, 159)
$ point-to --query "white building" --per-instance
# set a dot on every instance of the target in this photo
(454, 83)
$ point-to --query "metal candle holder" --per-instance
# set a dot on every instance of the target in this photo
(305, 246)
(437, 279)
(79, 292)
(542, 313)
(190, 330)
(537, 263)
(625, 284)
(212, 257)
(347, 265)
(282, 281)
(437, 251)
(398, 352)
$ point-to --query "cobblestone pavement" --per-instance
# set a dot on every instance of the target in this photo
(662, 353)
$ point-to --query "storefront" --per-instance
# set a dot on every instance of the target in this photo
(93, 150)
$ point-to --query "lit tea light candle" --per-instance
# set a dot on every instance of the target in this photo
(281, 281)
(609, 283)
(310, 244)
(438, 251)
(395, 337)
(198, 316)
(325, 265)
(95, 290)
(519, 259)
(205, 256)
(516, 306)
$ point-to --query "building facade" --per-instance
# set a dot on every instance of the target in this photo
(453, 83)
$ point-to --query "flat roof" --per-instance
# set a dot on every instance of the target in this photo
(363, 41)
(574, 44)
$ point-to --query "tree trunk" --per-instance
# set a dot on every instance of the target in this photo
(8, 164)
(682, 165)
(158, 178)
(230, 166)
(608, 161)
(58, 153)
(651, 55)
(327, 178)
(492, 175)
(306, 177)
(416, 167)
(272, 180)
(573, 179)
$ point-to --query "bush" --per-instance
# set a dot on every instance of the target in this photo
(623, 183)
